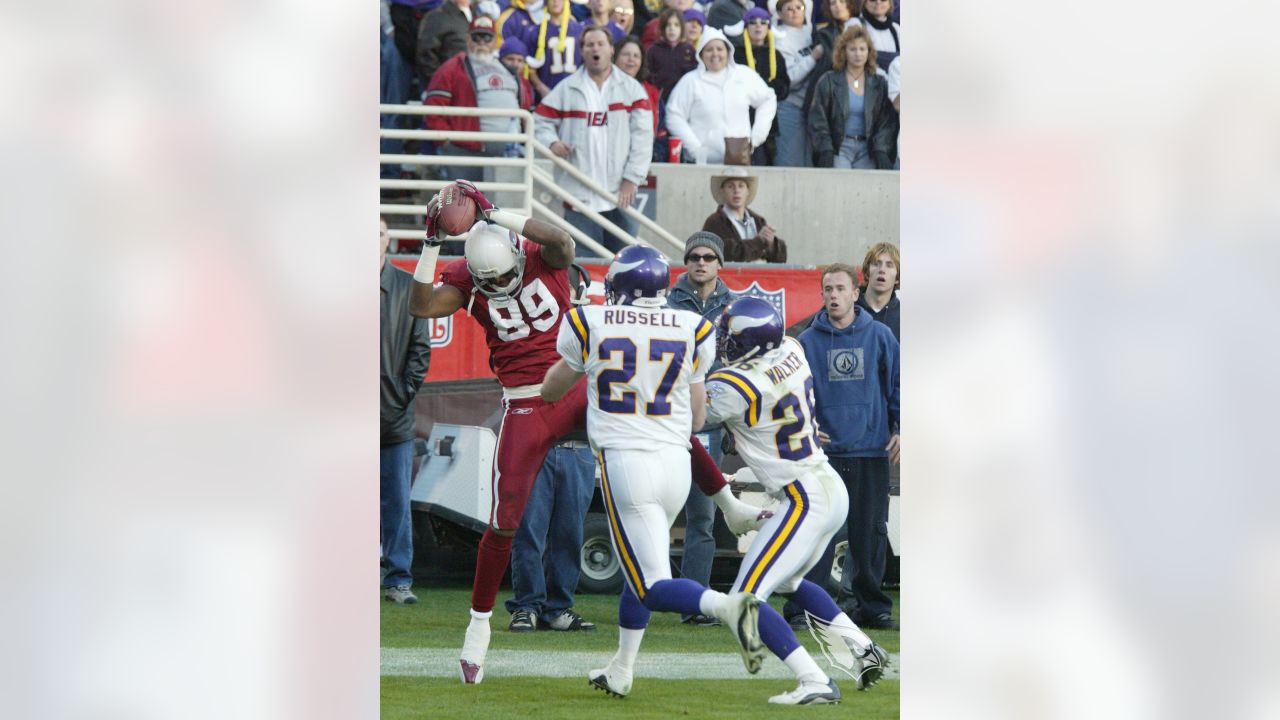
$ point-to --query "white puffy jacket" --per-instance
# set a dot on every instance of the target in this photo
(704, 108)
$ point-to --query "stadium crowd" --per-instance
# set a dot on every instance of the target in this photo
(827, 91)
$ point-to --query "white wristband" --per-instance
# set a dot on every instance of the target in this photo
(426, 270)
(509, 220)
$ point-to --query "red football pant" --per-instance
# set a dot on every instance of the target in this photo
(530, 427)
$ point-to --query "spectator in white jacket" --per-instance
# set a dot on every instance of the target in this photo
(600, 120)
(711, 103)
(794, 37)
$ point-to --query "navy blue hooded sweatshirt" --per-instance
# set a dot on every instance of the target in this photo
(855, 383)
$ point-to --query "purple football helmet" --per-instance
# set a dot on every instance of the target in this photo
(638, 275)
(748, 328)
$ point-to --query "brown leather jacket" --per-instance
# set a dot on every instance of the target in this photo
(738, 250)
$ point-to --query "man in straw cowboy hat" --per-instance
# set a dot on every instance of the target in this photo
(747, 236)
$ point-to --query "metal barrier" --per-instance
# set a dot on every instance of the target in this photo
(532, 175)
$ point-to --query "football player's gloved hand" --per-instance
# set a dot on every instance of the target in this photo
(728, 445)
(741, 517)
(435, 234)
(486, 208)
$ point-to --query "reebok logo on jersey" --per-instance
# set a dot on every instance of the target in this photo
(521, 411)
(845, 364)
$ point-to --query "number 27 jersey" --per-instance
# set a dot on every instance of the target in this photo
(639, 363)
(768, 405)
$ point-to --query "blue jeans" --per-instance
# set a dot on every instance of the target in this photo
(544, 582)
(597, 233)
(700, 518)
(793, 137)
(397, 522)
(854, 154)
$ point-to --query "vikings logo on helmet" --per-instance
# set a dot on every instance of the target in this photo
(750, 327)
(639, 275)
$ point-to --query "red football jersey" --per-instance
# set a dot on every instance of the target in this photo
(521, 330)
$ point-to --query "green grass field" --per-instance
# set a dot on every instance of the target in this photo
(436, 624)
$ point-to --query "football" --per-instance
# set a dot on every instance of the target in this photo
(457, 211)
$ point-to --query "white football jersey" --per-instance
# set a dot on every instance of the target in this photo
(640, 363)
(767, 403)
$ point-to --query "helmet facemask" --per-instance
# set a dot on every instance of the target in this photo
(494, 259)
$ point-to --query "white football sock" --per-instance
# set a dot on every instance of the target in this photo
(850, 631)
(806, 670)
(711, 603)
(628, 648)
(476, 643)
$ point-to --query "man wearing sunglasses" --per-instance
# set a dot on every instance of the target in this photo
(701, 290)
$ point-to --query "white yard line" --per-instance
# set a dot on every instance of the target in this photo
(443, 662)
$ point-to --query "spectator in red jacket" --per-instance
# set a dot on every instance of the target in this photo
(629, 57)
(476, 78)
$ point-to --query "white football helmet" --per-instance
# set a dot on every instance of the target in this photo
(495, 259)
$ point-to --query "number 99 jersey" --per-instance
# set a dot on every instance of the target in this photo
(767, 403)
(640, 362)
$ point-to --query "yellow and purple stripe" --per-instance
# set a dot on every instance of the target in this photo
(630, 565)
(781, 538)
(745, 389)
(578, 324)
(703, 331)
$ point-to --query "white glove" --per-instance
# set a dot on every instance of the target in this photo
(741, 517)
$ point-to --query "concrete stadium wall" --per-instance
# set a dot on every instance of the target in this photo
(824, 215)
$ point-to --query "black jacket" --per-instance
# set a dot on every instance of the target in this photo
(441, 35)
(890, 314)
(831, 105)
(406, 353)
(826, 37)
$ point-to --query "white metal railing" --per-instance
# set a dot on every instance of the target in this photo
(532, 175)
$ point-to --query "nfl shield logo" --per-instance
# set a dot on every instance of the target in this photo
(776, 298)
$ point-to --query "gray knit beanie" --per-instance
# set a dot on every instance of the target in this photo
(702, 238)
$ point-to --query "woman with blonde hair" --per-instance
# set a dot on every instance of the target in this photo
(852, 121)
